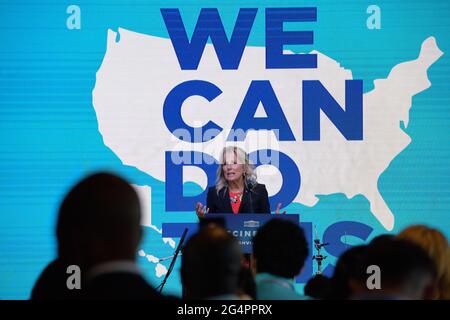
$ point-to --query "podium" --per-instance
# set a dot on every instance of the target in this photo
(243, 226)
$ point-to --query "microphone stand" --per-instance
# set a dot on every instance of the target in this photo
(251, 200)
(172, 264)
(167, 258)
(319, 257)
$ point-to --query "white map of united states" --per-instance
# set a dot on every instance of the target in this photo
(139, 70)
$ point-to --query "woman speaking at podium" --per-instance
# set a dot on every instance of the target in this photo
(236, 190)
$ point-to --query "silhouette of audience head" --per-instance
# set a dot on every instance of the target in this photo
(436, 245)
(279, 248)
(99, 221)
(318, 287)
(382, 238)
(349, 275)
(246, 284)
(210, 264)
(406, 271)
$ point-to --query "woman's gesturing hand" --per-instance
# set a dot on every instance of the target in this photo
(277, 211)
(201, 210)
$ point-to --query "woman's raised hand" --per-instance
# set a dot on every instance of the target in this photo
(201, 210)
(277, 211)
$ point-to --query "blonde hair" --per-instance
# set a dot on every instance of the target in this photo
(242, 158)
(436, 245)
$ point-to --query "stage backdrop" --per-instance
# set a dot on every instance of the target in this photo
(344, 107)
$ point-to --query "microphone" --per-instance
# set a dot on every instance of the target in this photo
(251, 183)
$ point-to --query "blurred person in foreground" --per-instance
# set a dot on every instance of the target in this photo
(211, 265)
(98, 229)
(436, 245)
(279, 253)
(246, 283)
(318, 287)
(349, 274)
(406, 272)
